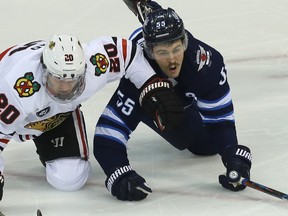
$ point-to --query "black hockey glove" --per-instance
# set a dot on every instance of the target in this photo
(159, 101)
(237, 160)
(1, 185)
(141, 8)
(126, 184)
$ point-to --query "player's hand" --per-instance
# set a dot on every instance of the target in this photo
(127, 186)
(1, 185)
(159, 101)
(237, 160)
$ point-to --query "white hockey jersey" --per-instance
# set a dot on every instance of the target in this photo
(26, 110)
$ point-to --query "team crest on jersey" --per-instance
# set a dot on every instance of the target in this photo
(100, 62)
(48, 124)
(25, 85)
(202, 57)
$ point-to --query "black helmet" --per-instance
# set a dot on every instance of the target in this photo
(162, 26)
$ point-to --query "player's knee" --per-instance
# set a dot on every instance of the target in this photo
(67, 174)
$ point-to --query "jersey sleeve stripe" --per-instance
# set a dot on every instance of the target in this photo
(216, 119)
(4, 141)
(80, 133)
(111, 134)
(110, 126)
(229, 103)
(133, 53)
(226, 100)
(111, 130)
(124, 48)
(215, 111)
(111, 138)
(135, 33)
(109, 111)
(4, 52)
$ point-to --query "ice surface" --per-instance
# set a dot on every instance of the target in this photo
(253, 37)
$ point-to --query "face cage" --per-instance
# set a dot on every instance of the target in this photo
(73, 94)
(148, 47)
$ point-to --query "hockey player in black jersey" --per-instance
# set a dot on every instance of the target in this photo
(199, 76)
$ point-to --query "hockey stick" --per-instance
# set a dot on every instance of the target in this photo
(264, 189)
(39, 213)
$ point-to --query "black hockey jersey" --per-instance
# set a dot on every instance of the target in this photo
(202, 81)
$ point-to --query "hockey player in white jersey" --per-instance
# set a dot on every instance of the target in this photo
(43, 84)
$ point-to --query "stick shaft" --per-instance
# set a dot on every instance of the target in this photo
(264, 189)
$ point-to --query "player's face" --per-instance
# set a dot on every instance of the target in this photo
(62, 89)
(169, 57)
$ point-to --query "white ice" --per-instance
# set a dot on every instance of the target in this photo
(253, 37)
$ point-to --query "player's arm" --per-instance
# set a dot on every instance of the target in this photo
(110, 140)
(122, 180)
(4, 139)
(109, 148)
(120, 117)
(8, 124)
(217, 113)
(10, 105)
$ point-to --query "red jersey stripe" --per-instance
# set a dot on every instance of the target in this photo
(4, 52)
(83, 139)
(124, 48)
(4, 141)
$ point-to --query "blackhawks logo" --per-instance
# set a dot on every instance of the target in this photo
(100, 62)
(25, 85)
(48, 124)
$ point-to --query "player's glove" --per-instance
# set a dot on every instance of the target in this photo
(159, 101)
(237, 160)
(141, 8)
(1, 185)
(126, 184)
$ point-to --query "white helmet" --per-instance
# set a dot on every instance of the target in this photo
(64, 68)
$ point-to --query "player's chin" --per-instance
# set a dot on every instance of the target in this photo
(173, 73)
